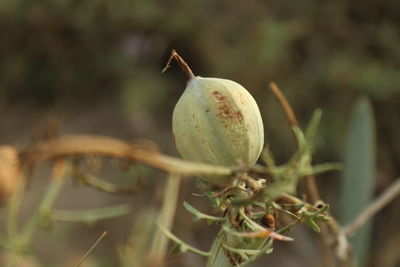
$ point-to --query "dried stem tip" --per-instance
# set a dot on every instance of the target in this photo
(184, 66)
(291, 117)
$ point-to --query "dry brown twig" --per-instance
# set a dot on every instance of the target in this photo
(84, 145)
(291, 117)
(387, 196)
(311, 184)
(346, 231)
(182, 63)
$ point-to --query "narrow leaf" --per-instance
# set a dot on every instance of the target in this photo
(199, 215)
(310, 221)
(313, 126)
(358, 180)
(92, 215)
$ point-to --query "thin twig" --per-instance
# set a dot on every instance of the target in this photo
(158, 249)
(343, 248)
(388, 195)
(291, 117)
(91, 248)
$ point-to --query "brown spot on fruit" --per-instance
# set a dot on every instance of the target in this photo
(224, 108)
(218, 96)
(238, 115)
(173, 136)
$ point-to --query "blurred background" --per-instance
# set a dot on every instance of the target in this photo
(94, 67)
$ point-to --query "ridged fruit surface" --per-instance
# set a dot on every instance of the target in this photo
(217, 121)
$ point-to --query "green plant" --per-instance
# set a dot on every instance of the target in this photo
(257, 208)
(255, 191)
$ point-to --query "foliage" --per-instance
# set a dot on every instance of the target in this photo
(247, 199)
(359, 176)
(322, 53)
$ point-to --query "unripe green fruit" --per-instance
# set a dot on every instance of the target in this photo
(217, 121)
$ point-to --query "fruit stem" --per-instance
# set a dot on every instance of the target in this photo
(184, 66)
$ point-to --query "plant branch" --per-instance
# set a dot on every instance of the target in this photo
(291, 117)
(388, 195)
(158, 249)
(241, 252)
(267, 246)
(202, 216)
(343, 247)
(183, 246)
(85, 145)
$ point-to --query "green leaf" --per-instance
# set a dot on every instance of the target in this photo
(206, 190)
(268, 157)
(199, 215)
(322, 218)
(269, 251)
(310, 221)
(303, 152)
(359, 175)
(183, 247)
(325, 167)
(301, 140)
(92, 215)
(313, 126)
